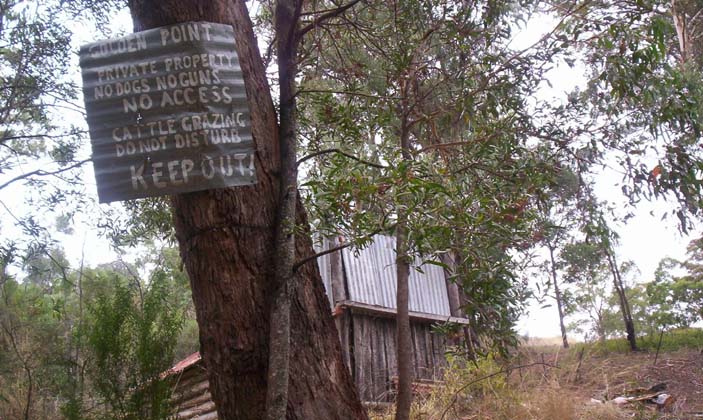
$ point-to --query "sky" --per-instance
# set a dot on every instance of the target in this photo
(645, 239)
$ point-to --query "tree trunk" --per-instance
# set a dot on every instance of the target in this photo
(226, 238)
(682, 31)
(558, 297)
(404, 345)
(624, 304)
(286, 24)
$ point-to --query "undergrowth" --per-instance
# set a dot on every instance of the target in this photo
(541, 384)
(492, 391)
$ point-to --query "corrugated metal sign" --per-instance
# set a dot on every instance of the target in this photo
(167, 112)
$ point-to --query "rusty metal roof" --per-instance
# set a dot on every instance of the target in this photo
(183, 364)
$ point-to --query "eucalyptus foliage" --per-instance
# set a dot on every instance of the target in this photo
(446, 72)
(641, 103)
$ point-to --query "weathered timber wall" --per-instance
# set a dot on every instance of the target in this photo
(191, 396)
(373, 355)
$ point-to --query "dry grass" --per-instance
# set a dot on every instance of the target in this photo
(490, 392)
(495, 390)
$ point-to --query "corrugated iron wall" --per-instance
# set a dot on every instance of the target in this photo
(323, 262)
(371, 279)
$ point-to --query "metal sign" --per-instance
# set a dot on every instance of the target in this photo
(167, 112)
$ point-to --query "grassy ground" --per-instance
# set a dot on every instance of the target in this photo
(558, 384)
(691, 338)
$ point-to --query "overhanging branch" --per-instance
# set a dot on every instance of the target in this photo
(41, 172)
(326, 16)
(350, 156)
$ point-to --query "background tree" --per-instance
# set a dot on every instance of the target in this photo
(468, 190)
(640, 104)
(131, 336)
(556, 220)
(40, 155)
(62, 352)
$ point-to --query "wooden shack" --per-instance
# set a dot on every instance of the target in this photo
(191, 390)
(361, 287)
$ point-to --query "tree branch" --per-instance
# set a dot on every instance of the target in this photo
(326, 16)
(338, 151)
(41, 136)
(456, 143)
(306, 260)
(345, 92)
(41, 172)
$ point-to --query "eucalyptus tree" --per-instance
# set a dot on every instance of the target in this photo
(556, 218)
(35, 56)
(676, 293)
(416, 116)
(642, 99)
(40, 157)
(229, 252)
(585, 269)
(601, 238)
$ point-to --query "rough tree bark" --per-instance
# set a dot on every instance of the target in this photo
(558, 296)
(226, 239)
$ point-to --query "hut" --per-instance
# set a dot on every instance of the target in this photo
(191, 397)
(361, 287)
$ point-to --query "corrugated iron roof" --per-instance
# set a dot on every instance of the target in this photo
(371, 278)
(323, 263)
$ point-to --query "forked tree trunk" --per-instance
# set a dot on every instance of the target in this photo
(226, 239)
(624, 304)
(558, 296)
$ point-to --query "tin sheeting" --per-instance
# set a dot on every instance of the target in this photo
(167, 112)
(323, 263)
(371, 279)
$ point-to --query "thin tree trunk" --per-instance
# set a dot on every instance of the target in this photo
(624, 304)
(404, 345)
(227, 238)
(682, 33)
(30, 388)
(557, 296)
(286, 23)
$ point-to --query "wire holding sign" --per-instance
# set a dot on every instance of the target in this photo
(167, 112)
